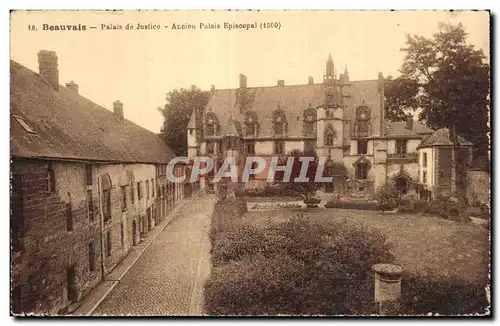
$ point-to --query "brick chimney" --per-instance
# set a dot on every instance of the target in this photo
(281, 82)
(47, 66)
(243, 81)
(310, 80)
(409, 122)
(118, 109)
(72, 86)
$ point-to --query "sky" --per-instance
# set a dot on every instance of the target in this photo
(139, 67)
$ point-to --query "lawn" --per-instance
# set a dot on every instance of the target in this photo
(422, 245)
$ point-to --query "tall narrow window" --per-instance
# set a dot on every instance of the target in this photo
(250, 147)
(106, 204)
(90, 205)
(279, 147)
(50, 179)
(424, 176)
(329, 135)
(211, 124)
(279, 122)
(106, 197)
(363, 121)
(91, 256)
(362, 171)
(309, 121)
(88, 174)
(69, 217)
(139, 191)
(108, 243)
(122, 234)
(147, 189)
(424, 160)
(124, 197)
(152, 187)
(132, 194)
(401, 147)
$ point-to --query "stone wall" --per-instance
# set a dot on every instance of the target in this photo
(478, 186)
(59, 226)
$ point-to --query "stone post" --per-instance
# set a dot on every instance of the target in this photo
(387, 288)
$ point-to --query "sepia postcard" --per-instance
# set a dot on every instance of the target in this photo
(250, 163)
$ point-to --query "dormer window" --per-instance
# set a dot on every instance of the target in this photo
(362, 121)
(211, 124)
(279, 122)
(309, 121)
(251, 124)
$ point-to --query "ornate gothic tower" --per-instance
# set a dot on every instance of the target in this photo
(330, 116)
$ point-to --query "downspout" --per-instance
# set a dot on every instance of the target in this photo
(101, 219)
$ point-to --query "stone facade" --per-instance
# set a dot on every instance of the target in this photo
(339, 119)
(63, 242)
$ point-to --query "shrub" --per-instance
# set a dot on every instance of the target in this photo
(296, 267)
(312, 202)
(255, 286)
(247, 240)
(421, 206)
(352, 205)
(387, 194)
(442, 295)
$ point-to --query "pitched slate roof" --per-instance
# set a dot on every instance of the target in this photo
(441, 137)
(292, 99)
(398, 130)
(66, 125)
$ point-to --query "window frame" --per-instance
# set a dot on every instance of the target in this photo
(92, 264)
(362, 170)
(365, 142)
(124, 197)
(90, 206)
(250, 145)
(401, 147)
(106, 204)
(279, 144)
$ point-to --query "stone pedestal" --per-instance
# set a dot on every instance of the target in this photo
(387, 287)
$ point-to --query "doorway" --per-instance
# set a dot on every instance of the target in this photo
(71, 284)
(134, 233)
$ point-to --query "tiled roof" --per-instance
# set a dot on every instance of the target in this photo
(293, 99)
(398, 129)
(66, 125)
(441, 137)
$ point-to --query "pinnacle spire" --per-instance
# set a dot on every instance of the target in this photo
(330, 68)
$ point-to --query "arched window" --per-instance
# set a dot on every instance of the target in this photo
(329, 135)
(309, 121)
(211, 124)
(279, 122)
(363, 121)
(251, 124)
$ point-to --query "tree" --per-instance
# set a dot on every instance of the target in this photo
(454, 85)
(176, 113)
(306, 189)
(400, 97)
(453, 81)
